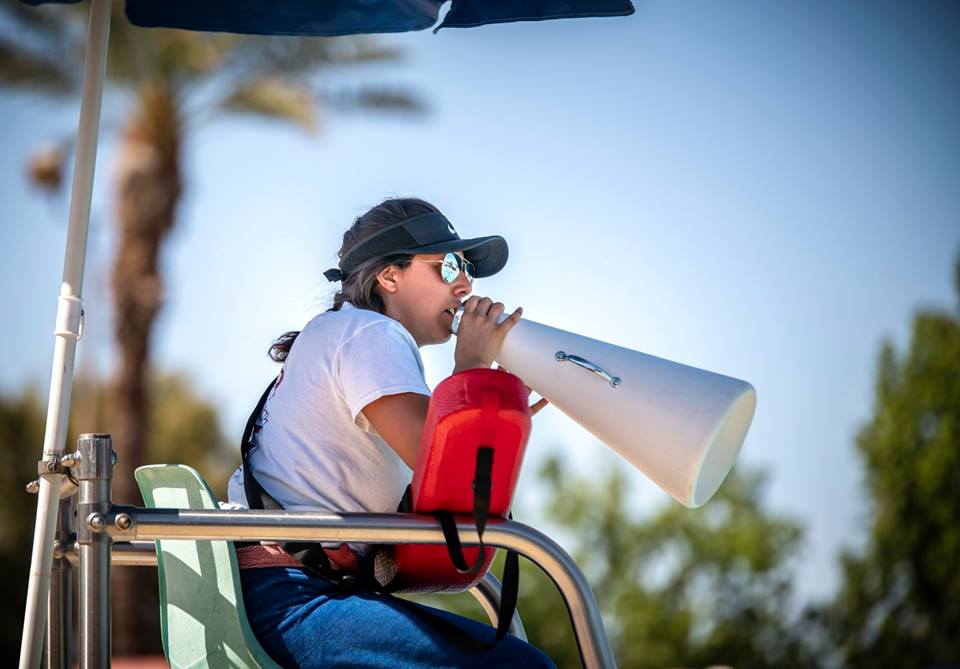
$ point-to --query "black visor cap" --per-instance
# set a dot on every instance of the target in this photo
(429, 233)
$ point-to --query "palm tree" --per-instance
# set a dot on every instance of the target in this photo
(176, 80)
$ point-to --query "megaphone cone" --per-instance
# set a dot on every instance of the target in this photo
(681, 426)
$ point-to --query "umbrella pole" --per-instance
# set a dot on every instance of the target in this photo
(68, 327)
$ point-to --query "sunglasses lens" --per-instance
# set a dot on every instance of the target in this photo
(452, 265)
(450, 268)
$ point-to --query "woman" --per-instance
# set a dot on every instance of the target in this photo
(341, 428)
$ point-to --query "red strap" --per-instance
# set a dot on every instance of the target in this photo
(256, 556)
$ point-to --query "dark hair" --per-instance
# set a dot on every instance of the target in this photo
(359, 286)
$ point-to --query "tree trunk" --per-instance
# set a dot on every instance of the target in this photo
(148, 187)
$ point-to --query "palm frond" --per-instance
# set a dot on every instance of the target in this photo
(293, 56)
(393, 100)
(24, 68)
(275, 98)
(161, 54)
(39, 46)
(360, 49)
(46, 166)
(55, 23)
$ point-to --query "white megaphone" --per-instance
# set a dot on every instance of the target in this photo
(681, 426)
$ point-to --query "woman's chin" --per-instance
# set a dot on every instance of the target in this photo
(444, 335)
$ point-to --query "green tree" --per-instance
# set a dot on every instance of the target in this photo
(174, 79)
(899, 605)
(679, 587)
(187, 429)
(21, 435)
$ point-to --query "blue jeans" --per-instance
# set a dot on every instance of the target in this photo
(302, 622)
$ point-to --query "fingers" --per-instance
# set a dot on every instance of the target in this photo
(476, 305)
(538, 405)
(511, 320)
(483, 307)
(527, 389)
(470, 305)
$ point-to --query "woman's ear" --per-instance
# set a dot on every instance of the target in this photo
(387, 278)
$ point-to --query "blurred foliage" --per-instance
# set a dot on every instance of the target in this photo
(41, 50)
(185, 428)
(275, 97)
(167, 83)
(21, 441)
(899, 605)
(678, 588)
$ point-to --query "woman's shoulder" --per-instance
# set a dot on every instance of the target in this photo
(349, 321)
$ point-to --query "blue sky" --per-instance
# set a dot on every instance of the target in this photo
(766, 190)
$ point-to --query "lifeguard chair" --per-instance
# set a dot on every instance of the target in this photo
(203, 621)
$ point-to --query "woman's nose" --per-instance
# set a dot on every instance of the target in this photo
(462, 286)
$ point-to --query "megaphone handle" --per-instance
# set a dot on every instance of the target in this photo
(614, 381)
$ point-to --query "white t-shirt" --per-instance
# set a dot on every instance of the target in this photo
(316, 450)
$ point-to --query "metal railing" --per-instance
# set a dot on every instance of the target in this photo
(144, 554)
(109, 534)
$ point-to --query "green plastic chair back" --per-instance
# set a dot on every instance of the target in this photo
(202, 618)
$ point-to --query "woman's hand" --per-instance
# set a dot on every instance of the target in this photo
(536, 406)
(479, 337)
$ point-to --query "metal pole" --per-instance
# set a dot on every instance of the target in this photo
(384, 528)
(143, 554)
(487, 592)
(59, 644)
(67, 333)
(96, 469)
(123, 554)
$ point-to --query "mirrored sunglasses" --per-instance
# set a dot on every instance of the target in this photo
(451, 266)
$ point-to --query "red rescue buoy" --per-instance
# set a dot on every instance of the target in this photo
(469, 411)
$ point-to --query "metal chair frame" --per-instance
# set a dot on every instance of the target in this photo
(115, 535)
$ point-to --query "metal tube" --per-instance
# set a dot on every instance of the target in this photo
(487, 592)
(122, 553)
(94, 613)
(390, 528)
(144, 554)
(65, 342)
(59, 616)
(134, 554)
(59, 641)
(95, 470)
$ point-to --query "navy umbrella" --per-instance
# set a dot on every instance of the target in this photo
(350, 17)
(262, 17)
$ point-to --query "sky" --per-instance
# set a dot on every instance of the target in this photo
(765, 190)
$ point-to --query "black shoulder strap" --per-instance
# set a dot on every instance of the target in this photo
(311, 554)
(314, 557)
(257, 497)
